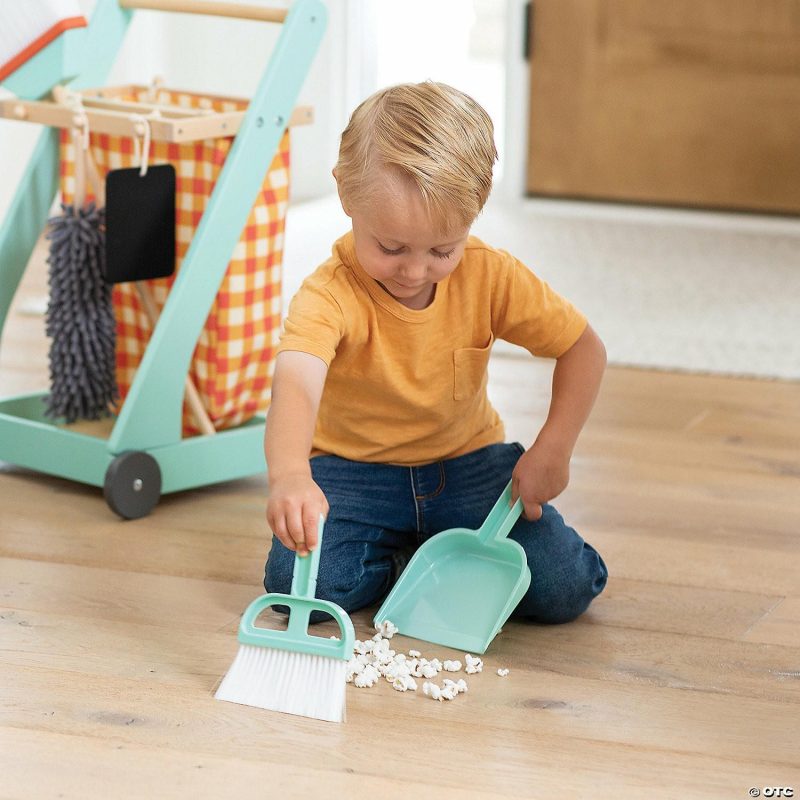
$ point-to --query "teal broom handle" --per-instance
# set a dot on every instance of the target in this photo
(304, 576)
(501, 519)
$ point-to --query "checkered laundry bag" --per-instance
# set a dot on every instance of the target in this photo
(233, 361)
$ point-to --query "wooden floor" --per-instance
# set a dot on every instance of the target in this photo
(682, 680)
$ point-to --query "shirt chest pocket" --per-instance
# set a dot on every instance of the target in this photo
(469, 364)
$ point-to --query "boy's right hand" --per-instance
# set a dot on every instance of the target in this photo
(293, 508)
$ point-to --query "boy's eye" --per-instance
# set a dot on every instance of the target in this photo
(436, 253)
(389, 251)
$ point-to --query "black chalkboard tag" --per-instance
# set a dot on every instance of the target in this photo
(140, 223)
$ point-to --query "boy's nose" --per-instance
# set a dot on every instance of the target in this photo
(415, 271)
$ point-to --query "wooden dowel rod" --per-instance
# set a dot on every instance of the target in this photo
(237, 10)
(192, 395)
(144, 108)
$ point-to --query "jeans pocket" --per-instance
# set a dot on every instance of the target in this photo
(470, 375)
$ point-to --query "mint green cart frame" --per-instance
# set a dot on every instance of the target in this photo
(145, 455)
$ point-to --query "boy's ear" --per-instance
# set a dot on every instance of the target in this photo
(345, 206)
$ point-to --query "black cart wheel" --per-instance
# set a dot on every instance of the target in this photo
(133, 484)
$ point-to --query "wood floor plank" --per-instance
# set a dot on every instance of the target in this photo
(780, 625)
(75, 763)
(680, 561)
(82, 766)
(228, 541)
(125, 597)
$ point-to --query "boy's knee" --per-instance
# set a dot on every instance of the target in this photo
(565, 595)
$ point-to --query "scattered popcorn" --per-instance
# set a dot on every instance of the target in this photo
(474, 664)
(374, 658)
(386, 629)
(502, 672)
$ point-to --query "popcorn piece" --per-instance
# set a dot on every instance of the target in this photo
(364, 680)
(428, 671)
(414, 653)
(502, 672)
(474, 664)
(449, 692)
(362, 648)
(355, 665)
(394, 670)
(399, 685)
(451, 666)
(432, 690)
(386, 629)
(454, 687)
(411, 684)
(382, 646)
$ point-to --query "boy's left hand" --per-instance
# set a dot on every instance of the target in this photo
(541, 474)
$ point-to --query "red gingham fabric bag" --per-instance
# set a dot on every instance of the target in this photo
(234, 358)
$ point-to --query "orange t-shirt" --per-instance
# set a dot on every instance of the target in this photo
(408, 386)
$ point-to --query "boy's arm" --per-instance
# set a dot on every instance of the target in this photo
(542, 472)
(295, 501)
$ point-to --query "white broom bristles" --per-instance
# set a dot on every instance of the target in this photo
(280, 680)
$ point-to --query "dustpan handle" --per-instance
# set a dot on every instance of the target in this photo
(501, 518)
(304, 577)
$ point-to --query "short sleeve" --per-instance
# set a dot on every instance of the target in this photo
(532, 314)
(314, 323)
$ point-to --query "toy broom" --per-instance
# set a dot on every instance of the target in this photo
(291, 670)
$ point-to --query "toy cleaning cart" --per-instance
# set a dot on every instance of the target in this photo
(147, 453)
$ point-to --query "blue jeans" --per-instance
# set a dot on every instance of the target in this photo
(377, 510)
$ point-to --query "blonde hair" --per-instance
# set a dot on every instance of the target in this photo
(434, 135)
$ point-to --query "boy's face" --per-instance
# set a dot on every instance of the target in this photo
(400, 247)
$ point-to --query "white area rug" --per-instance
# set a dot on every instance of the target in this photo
(676, 290)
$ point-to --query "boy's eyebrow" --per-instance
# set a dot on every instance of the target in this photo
(398, 244)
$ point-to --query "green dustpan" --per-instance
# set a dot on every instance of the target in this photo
(462, 585)
(300, 602)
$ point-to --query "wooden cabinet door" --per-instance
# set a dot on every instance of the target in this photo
(682, 102)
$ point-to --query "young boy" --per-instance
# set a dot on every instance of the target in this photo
(381, 371)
